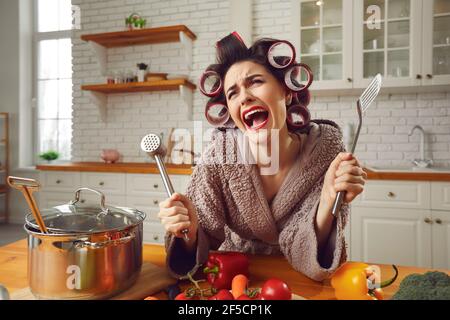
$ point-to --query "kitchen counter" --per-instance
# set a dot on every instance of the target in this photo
(13, 272)
(184, 169)
(409, 175)
(120, 167)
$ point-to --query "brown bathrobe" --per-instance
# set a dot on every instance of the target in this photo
(234, 214)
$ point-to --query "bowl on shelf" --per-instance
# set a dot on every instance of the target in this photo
(177, 76)
(152, 76)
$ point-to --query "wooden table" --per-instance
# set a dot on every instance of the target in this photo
(13, 272)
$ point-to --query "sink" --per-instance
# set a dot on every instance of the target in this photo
(409, 169)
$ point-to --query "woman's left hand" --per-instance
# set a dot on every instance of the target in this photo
(344, 174)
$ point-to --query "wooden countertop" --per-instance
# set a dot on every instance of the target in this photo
(135, 167)
(409, 176)
(13, 272)
(122, 167)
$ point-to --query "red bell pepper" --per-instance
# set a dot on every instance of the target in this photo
(221, 268)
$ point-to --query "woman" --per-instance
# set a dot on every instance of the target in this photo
(230, 203)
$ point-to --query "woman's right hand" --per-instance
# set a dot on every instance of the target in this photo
(178, 213)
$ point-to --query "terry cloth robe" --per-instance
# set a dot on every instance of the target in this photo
(234, 214)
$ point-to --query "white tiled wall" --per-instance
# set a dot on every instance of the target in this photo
(384, 137)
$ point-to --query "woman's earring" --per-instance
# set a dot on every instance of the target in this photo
(297, 117)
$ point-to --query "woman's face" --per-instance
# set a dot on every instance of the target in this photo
(256, 100)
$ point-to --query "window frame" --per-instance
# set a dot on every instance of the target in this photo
(37, 37)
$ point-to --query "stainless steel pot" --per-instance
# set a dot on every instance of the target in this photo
(90, 252)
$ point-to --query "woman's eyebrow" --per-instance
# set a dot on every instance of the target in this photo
(250, 77)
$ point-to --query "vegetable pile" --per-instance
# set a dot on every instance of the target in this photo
(433, 285)
(227, 274)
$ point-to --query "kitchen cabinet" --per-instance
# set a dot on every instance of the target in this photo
(139, 191)
(322, 35)
(391, 235)
(100, 42)
(346, 43)
(4, 166)
(402, 222)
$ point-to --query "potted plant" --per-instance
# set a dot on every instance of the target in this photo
(142, 68)
(49, 156)
(135, 21)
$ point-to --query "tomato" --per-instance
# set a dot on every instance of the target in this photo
(275, 289)
(223, 294)
(182, 296)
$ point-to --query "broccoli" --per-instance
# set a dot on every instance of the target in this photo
(433, 285)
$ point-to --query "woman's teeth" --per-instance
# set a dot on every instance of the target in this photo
(256, 118)
(253, 112)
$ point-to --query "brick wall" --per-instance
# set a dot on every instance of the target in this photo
(384, 139)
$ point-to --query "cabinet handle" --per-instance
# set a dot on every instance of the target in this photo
(419, 76)
(58, 181)
(155, 201)
(429, 76)
(428, 220)
(156, 238)
(82, 201)
(101, 183)
(438, 221)
(155, 186)
(391, 194)
(349, 79)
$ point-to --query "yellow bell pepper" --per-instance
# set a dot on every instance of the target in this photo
(358, 281)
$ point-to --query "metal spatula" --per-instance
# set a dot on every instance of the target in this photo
(364, 101)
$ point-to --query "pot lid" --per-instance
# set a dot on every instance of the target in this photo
(75, 218)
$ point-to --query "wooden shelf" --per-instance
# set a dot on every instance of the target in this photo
(3, 188)
(140, 36)
(162, 85)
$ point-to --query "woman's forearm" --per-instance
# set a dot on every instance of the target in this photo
(323, 224)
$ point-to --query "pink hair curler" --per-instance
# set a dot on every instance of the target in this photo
(210, 83)
(294, 72)
(298, 116)
(281, 49)
(217, 114)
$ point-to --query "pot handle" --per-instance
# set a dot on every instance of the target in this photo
(99, 245)
(102, 198)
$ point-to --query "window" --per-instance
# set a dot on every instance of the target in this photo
(54, 76)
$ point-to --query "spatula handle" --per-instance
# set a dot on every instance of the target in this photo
(338, 203)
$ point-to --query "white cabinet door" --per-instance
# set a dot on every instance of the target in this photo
(153, 232)
(440, 196)
(395, 194)
(108, 183)
(436, 42)
(52, 199)
(60, 181)
(148, 184)
(441, 239)
(322, 36)
(391, 236)
(387, 39)
(149, 204)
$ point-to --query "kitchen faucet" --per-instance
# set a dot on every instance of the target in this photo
(422, 163)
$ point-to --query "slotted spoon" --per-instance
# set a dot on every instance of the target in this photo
(364, 101)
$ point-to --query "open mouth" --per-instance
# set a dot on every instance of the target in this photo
(255, 117)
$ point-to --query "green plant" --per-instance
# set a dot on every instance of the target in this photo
(135, 20)
(432, 285)
(49, 155)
